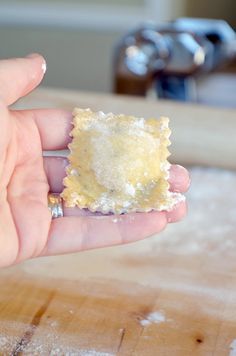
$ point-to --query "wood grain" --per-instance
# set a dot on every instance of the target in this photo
(101, 302)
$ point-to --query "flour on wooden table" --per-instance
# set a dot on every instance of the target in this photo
(156, 317)
(93, 353)
(233, 348)
(43, 342)
(211, 221)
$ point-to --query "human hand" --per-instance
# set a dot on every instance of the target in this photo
(26, 227)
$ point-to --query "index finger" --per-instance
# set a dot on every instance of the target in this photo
(54, 126)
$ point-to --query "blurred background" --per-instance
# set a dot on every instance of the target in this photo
(79, 38)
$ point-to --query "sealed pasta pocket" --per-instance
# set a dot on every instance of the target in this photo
(118, 164)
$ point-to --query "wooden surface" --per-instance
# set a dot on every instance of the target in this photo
(172, 294)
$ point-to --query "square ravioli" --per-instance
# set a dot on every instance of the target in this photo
(118, 164)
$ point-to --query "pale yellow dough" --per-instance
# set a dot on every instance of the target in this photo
(118, 164)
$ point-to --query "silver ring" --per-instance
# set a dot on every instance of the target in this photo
(55, 205)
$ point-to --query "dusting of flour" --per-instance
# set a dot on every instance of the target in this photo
(233, 348)
(211, 221)
(45, 342)
(156, 317)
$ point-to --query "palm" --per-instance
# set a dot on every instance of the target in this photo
(26, 227)
(25, 213)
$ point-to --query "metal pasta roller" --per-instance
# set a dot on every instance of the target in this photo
(169, 57)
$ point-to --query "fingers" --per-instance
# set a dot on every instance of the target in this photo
(179, 179)
(81, 230)
(177, 213)
(79, 212)
(55, 169)
(18, 76)
(179, 182)
(54, 126)
(71, 234)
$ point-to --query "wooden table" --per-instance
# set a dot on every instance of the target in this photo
(172, 294)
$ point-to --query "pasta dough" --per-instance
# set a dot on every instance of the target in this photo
(118, 164)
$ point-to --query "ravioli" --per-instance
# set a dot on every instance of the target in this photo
(118, 164)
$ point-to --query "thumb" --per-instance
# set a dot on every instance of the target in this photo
(19, 76)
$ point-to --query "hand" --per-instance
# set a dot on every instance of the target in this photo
(26, 227)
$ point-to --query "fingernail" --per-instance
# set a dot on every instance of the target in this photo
(44, 66)
(35, 55)
(180, 177)
(32, 55)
